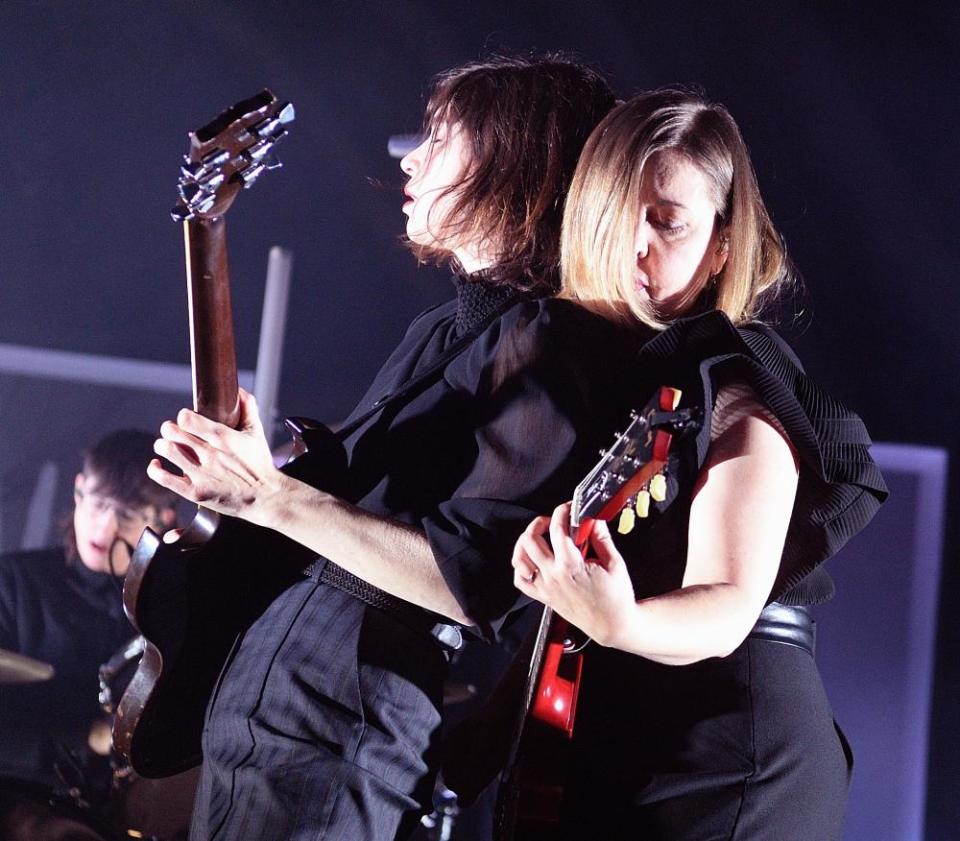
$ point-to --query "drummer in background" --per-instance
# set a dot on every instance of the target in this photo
(64, 606)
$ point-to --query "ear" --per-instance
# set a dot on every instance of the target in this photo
(719, 259)
(78, 484)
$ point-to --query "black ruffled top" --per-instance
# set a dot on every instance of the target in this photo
(840, 486)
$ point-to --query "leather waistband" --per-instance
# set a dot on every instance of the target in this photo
(448, 636)
(788, 625)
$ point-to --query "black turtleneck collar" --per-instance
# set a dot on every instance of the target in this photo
(477, 300)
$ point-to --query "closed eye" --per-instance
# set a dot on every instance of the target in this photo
(671, 229)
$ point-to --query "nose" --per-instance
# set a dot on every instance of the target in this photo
(107, 520)
(641, 242)
(411, 162)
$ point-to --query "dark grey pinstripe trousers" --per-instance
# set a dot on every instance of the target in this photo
(324, 726)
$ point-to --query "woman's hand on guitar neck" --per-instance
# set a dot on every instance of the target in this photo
(227, 470)
(595, 595)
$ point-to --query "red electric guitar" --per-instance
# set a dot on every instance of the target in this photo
(629, 475)
(191, 598)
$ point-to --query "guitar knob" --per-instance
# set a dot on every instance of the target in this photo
(643, 504)
(626, 522)
(658, 487)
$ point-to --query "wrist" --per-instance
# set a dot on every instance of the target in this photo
(274, 502)
(620, 629)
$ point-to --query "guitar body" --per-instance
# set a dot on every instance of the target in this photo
(531, 791)
(191, 600)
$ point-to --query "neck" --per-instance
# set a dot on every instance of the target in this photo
(474, 259)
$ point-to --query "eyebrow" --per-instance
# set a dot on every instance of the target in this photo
(667, 202)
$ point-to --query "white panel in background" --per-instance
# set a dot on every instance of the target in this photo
(40, 514)
(876, 644)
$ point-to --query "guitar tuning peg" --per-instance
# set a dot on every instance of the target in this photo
(211, 182)
(658, 487)
(626, 522)
(204, 204)
(265, 127)
(271, 161)
(258, 150)
(190, 192)
(182, 213)
(216, 158)
(189, 170)
(643, 504)
(250, 174)
(287, 113)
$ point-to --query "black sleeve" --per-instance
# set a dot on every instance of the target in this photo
(531, 410)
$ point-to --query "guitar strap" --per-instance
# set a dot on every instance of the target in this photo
(419, 381)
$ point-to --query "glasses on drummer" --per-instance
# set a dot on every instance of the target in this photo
(96, 504)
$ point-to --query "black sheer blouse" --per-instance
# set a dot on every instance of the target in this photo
(502, 436)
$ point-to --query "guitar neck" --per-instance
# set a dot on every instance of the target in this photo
(212, 350)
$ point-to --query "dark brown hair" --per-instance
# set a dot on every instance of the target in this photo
(526, 120)
(118, 464)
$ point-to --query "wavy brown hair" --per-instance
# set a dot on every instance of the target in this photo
(525, 121)
(601, 219)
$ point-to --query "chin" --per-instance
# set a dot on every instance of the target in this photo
(95, 565)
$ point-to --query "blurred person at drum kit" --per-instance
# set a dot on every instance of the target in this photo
(63, 606)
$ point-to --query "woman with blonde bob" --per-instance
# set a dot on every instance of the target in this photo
(702, 715)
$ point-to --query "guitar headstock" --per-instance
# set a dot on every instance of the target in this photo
(229, 154)
(630, 472)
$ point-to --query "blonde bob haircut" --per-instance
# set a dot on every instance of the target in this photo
(598, 259)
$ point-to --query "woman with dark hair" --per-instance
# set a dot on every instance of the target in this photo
(325, 721)
(702, 715)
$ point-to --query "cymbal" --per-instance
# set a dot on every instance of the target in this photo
(18, 668)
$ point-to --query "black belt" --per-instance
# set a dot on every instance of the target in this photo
(789, 625)
(417, 619)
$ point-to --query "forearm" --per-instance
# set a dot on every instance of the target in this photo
(388, 554)
(687, 625)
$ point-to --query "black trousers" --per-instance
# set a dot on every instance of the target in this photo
(742, 748)
(323, 726)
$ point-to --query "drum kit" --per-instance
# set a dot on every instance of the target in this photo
(84, 808)
(133, 806)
